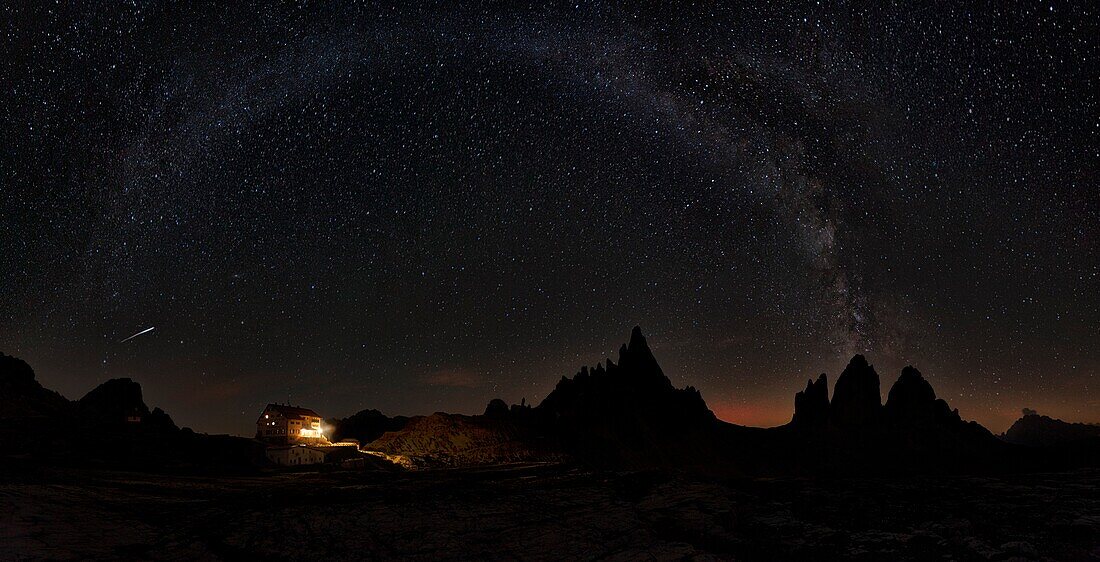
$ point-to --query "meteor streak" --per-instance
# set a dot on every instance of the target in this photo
(149, 329)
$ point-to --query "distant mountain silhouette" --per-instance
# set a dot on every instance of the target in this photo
(1042, 431)
(110, 426)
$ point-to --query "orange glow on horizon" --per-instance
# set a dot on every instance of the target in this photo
(757, 413)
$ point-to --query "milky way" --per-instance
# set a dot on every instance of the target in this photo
(423, 209)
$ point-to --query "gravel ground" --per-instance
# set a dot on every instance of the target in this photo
(535, 512)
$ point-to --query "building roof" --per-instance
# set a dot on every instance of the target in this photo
(292, 412)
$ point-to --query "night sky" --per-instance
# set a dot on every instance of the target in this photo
(415, 210)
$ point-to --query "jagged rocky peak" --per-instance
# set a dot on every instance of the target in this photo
(637, 359)
(637, 341)
(636, 380)
(637, 347)
(856, 397)
(811, 406)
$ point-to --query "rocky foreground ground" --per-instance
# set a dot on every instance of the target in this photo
(545, 512)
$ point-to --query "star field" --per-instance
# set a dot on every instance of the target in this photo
(421, 209)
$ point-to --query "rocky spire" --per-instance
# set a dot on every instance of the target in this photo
(636, 359)
(637, 341)
(856, 399)
(811, 406)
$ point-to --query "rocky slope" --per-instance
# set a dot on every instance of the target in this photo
(449, 440)
(549, 513)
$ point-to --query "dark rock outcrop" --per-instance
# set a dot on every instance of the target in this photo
(33, 419)
(811, 406)
(22, 396)
(365, 426)
(496, 408)
(119, 403)
(857, 402)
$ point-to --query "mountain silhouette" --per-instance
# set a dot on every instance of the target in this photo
(1036, 430)
(628, 413)
(855, 431)
(119, 403)
(856, 399)
(912, 400)
(22, 396)
(618, 414)
(110, 426)
(811, 406)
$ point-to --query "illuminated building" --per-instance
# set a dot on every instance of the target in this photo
(294, 455)
(290, 425)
